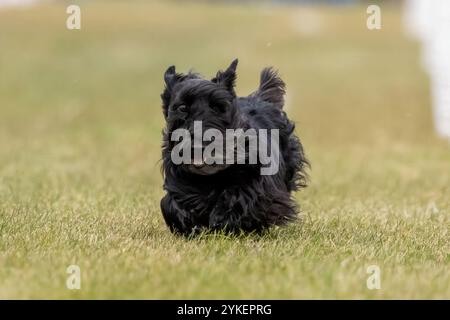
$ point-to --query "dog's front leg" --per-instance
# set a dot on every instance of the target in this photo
(225, 218)
(175, 217)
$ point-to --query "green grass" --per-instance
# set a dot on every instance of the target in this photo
(80, 183)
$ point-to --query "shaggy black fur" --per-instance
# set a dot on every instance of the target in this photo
(233, 198)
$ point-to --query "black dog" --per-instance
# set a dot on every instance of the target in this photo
(230, 197)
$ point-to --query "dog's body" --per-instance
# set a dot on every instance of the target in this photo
(233, 197)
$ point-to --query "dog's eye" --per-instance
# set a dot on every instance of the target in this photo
(219, 107)
(182, 108)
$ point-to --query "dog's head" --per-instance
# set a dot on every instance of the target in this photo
(189, 99)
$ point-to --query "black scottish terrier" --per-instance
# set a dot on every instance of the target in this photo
(229, 197)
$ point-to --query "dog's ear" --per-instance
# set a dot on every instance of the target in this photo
(227, 78)
(271, 88)
(170, 79)
(169, 76)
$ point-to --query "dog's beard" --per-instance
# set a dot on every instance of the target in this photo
(206, 169)
(207, 166)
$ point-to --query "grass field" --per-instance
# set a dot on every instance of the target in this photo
(80, 130)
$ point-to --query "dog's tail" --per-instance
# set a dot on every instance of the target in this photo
(271, 88)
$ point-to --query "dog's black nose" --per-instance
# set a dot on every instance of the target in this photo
(198, 163)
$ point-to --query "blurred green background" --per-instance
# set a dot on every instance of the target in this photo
(80, 136)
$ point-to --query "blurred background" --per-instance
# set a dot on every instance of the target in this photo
(81, 120)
